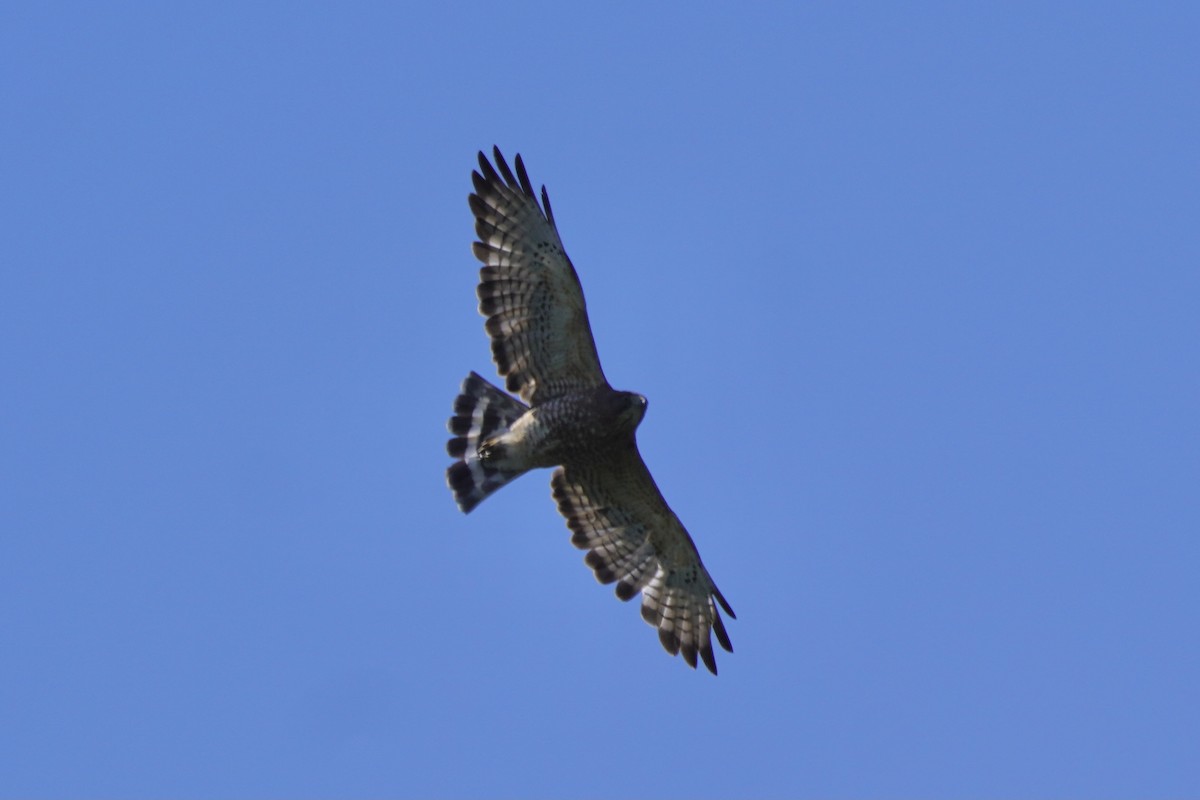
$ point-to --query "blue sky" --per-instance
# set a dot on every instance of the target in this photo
(913, 293)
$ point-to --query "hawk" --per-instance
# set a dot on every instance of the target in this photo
(568, 417)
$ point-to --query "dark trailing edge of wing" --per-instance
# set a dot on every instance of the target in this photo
(695, 647)
(672, 644)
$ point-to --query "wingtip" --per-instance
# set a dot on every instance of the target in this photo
(502, 168)
(724, 603)
(718, 628)
(487, 173)
(710, 661)
(546, 206)
(523, 178)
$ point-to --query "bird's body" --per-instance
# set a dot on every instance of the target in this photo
(571, 419)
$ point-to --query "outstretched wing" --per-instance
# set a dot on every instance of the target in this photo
(616, 513)
(528, 290)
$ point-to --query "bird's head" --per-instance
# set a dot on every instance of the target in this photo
(632, 409)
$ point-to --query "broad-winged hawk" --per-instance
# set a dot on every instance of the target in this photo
(570, 419)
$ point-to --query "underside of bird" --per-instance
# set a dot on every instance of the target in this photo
(565, 415)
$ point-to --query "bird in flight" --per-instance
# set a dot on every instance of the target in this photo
(569, 418)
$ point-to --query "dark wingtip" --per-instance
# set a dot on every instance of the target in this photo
(724, 604)
(710, 661)
(502, 166)
(523, 178)
(487, 170)
(546, 205)
(719, 629)
(501, 173)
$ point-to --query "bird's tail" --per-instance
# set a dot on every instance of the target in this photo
(481, 411)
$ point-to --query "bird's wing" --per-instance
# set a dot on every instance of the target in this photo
(528, 290)
(616, 512)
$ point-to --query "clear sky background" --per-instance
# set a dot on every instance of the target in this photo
(914, 294)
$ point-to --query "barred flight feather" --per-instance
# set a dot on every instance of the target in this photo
(528, 289)
(677, 592)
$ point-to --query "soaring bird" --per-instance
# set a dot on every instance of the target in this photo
(570, 418)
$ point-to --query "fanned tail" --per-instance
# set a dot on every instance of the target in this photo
(481, 411)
